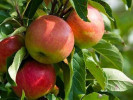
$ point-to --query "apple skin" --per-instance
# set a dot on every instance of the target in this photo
(49, 39)
(36, 79)
(87, 34)
(9, 46)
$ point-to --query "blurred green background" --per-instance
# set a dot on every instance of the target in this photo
(124, 20)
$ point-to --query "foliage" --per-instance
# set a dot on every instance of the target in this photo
(90, 74)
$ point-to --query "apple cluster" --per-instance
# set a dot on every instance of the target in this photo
(49, 39)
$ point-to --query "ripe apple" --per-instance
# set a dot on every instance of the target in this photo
(36, 79)
(9, 46)
(87, 34)
(49, 39)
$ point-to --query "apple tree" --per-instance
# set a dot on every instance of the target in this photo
(60, 50)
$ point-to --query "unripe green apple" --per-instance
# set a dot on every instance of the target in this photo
(9, 46)
(49, 39)
(36, 79)
(87, 34)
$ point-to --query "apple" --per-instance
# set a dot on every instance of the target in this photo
(36, 79)
(87, 34)
(9, 46)
(49, 39)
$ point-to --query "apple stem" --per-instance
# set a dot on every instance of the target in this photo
(53, 7)
(62, 11)
(66, 11)
(19, 15)
(60, 8)
(64, 7)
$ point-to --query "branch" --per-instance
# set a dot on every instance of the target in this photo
(65, 6)
(19, 15)
(53, 7)
(66, 12)
(59, 10)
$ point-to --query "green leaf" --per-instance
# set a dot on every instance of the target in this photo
(117, 80)
(52, 97)
(68, 74)
(104, 63)
(112, 97)
(7, 94)
(23, 95)
(6, 29)
(110, 53)
(32, 7)
(21, 2)
(18, 31)
(9, 63)
(40, 12)
(94, 69)
(95, 96)
(102, 7)
(113, 38)
(81, 8)
(3, 15)
(3, 88)
(116, 98)
(13, 69)
(105, 9)
(7, 26)
(11, 20)
(128, 3)
(5, 6)
(78, 89)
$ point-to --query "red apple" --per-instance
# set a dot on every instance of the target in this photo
(9, 46)
(87, 34)
(36, 79)
(49, 39)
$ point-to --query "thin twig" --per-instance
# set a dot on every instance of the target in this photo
(53, 7)
(19, 15)
(64, 7)
(67, 11)
(15, 5)
(60, 8)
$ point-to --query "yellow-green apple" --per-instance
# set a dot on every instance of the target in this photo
(87, 34)
(9, 46)
(36, 79)
(49, 39)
